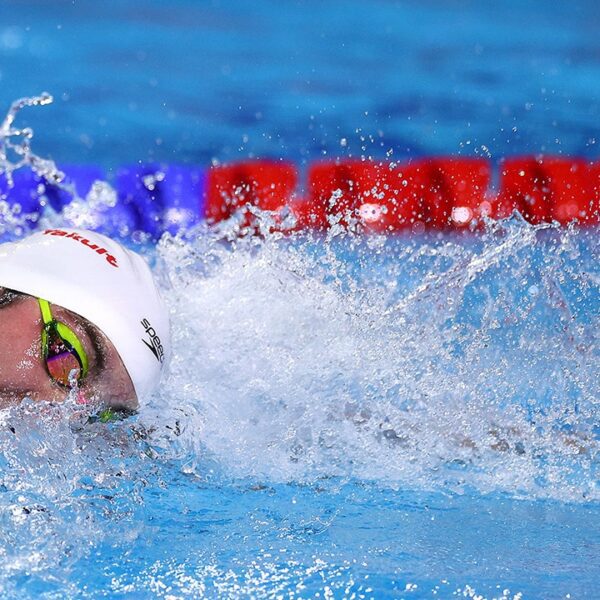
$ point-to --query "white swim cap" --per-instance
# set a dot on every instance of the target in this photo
(103, 282)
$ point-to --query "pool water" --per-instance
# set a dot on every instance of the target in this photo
(347, 416)
(344, 416)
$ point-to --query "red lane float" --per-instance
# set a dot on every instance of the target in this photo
(381, 196)
(592, 205)
(268, 185)
(437, 193)
(549, 189)
(457, 193)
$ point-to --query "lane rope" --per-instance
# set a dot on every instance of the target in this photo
(437, 193)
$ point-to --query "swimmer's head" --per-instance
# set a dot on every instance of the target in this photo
(101, 287)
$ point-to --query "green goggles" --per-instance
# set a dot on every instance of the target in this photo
(65, 358)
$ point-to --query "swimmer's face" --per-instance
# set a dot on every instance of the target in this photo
(23, 369)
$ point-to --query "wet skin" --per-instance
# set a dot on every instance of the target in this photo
(22, 367)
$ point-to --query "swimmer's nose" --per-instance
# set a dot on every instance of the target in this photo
(22, 369)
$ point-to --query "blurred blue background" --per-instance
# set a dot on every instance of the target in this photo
(190, 82)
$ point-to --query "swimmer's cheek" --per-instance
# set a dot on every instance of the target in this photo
(116, 397)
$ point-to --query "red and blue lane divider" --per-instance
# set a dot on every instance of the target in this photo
(436, 193)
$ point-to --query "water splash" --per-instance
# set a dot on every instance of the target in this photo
(15, 144)
(65, 484)
(94, 211)
(432, 363)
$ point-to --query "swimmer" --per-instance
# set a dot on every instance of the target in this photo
(81, 315)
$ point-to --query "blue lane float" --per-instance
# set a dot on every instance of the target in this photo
(27, 192)
(80, 177)
(151, 198)
(162, 198)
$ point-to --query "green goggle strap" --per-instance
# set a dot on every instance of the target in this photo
(66, 334)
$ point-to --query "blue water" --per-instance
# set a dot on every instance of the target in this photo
(187, 81)
(344, 416)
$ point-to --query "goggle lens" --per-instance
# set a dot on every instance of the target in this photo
(64, 368)
(63, 352)
(62, 362)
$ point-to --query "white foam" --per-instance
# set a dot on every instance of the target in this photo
(439, 371)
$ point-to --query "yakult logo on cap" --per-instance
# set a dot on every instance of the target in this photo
(110, 259)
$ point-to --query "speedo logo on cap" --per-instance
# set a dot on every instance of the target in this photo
(110, 259)
(153, 341)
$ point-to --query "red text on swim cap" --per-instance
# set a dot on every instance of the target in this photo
(110, 259)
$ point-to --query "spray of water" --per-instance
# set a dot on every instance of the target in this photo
(430, 363)
(425, 363)
(15, 144)
(93, 211)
